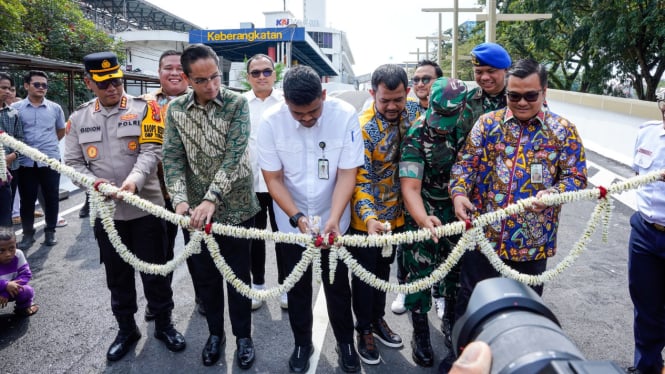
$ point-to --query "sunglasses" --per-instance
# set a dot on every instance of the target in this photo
(256, 73)
(425, 80)
(39, 85)
(200, 81)
(116, 82)
(530, 96)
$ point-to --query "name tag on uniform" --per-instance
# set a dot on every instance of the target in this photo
(536, 173)
(323, 169)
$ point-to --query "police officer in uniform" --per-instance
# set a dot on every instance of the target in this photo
(646, 249)
(117, 139)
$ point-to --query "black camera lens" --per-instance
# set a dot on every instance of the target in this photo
(523, 334)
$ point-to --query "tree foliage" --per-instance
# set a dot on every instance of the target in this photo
(586, 45)
(53, 29)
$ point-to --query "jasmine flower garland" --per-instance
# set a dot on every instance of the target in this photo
(3, 164)
(103, 207)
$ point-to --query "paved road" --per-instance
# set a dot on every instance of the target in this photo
(74, 326)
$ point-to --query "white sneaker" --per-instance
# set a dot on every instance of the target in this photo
(398, 304)
(440, 305)
(284, 301)
(256, 304)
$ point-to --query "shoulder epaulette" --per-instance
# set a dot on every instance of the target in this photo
(147, 97)
(84, 105)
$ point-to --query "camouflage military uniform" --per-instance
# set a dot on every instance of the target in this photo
(479, 103)
(429, 155)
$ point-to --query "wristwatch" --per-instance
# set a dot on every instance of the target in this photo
(293, 220)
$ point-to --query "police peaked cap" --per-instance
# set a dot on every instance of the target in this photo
(102, 66)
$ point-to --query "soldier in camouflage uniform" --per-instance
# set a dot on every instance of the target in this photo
(428, 153)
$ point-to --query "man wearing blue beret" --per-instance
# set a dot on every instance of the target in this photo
(490, 65)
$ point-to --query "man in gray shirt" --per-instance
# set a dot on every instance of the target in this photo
(43, 127)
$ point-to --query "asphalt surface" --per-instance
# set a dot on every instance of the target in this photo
(74, 327)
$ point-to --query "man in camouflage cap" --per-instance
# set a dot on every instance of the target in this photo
(428, 153)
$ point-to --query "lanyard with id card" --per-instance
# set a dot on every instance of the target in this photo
(322, 165)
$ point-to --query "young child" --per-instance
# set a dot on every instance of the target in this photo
(14, 276)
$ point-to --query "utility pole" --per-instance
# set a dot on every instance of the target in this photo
(491, 18)
(417, 53)
(455, 10)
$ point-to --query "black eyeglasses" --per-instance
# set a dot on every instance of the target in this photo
(116, 82)
(39, 85)
(266, 73)
(205, 80)
(425, 80)
(530, 96)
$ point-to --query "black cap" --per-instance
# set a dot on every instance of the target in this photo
(102, 66)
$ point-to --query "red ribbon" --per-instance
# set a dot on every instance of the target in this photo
(318, 241)
(208, 228)
(603, 192)
(468, 224)
(96, 185)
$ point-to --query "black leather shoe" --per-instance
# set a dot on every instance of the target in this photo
(421, 345)
(122, 344)
(149, 315)
(212, 349)
(27, 241)
(85, 209)
(245, 353)
(348, 358)
(385, 335)
(49, 238)
(173, 340)
(299, 361)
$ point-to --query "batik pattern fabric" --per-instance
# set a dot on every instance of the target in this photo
(206, 157)
(505, 160)
(377, 193)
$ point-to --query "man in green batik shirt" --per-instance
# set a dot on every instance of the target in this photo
(428, 152)
(208, 174)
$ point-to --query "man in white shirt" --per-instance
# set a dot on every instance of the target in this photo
(310, 149)
(261, 75)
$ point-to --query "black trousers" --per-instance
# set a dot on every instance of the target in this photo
(369, 303)
(29, 181)
(259, 246)
(6, 203)
(475, 267)
(338, 298)
(209, 283)
(146, 238)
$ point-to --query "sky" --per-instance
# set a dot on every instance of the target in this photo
(378, 31)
